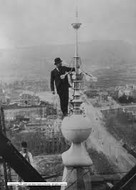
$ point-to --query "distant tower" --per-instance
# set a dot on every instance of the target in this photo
(76, 128)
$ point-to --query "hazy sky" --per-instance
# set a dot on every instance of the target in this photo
(36, 22)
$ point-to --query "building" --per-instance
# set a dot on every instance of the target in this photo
(28, 98)
(3, 97)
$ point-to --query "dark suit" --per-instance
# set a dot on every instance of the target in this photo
(62, 86)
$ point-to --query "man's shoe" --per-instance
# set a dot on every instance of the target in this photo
(65, 114)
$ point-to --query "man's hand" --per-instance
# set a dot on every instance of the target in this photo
(53, 92)
(62, 76)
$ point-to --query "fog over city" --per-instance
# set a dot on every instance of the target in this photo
(41, 22)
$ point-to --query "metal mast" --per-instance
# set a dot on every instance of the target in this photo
(78, 77)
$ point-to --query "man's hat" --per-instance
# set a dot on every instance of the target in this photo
(24, 144)
(57, 60)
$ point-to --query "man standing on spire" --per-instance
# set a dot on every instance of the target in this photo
(59, 76)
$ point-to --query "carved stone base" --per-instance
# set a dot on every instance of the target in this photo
(76, 156)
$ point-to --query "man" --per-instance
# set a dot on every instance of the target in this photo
(60, 76)
(28, 156)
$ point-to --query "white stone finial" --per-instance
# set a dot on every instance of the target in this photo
(76, 129)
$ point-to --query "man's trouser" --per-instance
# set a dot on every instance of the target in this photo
(64, 97)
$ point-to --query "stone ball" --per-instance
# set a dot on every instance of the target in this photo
(76, 128)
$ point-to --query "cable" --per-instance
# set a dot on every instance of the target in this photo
(94, 174)
(67, 177)
(102, 173)
(76, 180)
(98, 173)
(91, 76)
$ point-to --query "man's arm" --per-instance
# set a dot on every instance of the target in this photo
(52, 82)
(68, 69)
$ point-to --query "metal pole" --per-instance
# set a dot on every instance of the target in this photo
(77, 81)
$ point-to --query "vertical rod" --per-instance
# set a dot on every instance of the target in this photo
(7, 167)
(76, 44)
(3, 130)
(5, 174)
(77, 82)
(80, 180)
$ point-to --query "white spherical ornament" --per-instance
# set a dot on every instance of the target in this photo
(76, 128)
